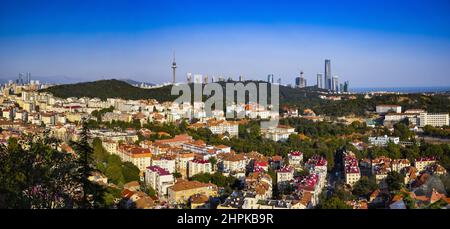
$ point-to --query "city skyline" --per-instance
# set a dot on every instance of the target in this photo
(122, 40)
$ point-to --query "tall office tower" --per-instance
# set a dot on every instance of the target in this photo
(174, 67)
(319, 80)
(278, 81)
(300, 82)
(346, 85)
(335, 84)
(28, 77)
(205, 79)
(270, 78)
(328, 79)
(20, 81)
(241, 78)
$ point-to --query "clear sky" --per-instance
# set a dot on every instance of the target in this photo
(371, 43)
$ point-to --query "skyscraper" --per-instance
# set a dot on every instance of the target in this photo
(28, 77)
(346, 86)
(335, 84)
(328, 79)
(270, 78)
(300, 82)
(319, 80)
(174, 67)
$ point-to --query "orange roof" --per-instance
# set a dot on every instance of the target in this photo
(182, 185)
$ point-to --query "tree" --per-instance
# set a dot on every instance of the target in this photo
(177, 175)
(394, 150)
(34, 174)
(364, 186)
(100, 154)
(114, 172)
(334, 203)
(130, 172)
(213, 162)
(92, 194)
(402, 131)
(394, 180)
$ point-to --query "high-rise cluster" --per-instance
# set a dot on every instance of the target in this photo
(330, 82)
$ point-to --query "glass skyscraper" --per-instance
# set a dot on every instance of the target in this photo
(328, 79)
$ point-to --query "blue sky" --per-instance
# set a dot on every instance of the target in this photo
(371, 43)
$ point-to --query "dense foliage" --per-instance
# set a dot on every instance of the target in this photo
(443, 132)
(111, 165)
(34, 174)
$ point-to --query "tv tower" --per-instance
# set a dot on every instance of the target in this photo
(174, 67)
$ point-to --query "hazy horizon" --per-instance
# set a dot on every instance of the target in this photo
(370, 44)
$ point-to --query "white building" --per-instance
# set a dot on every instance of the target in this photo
(167, 163)
(384, 140)
(284, 176)
(436, 120)
(279, 133)
(222, 127)
(159, 179)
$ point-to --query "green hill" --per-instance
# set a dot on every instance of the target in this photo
(104, 89)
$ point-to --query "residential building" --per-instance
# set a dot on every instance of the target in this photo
(182, 190)
(351, 169)
(295, 159)
(159, 179)
(422, 163)
(284, 176)
(197, 166)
